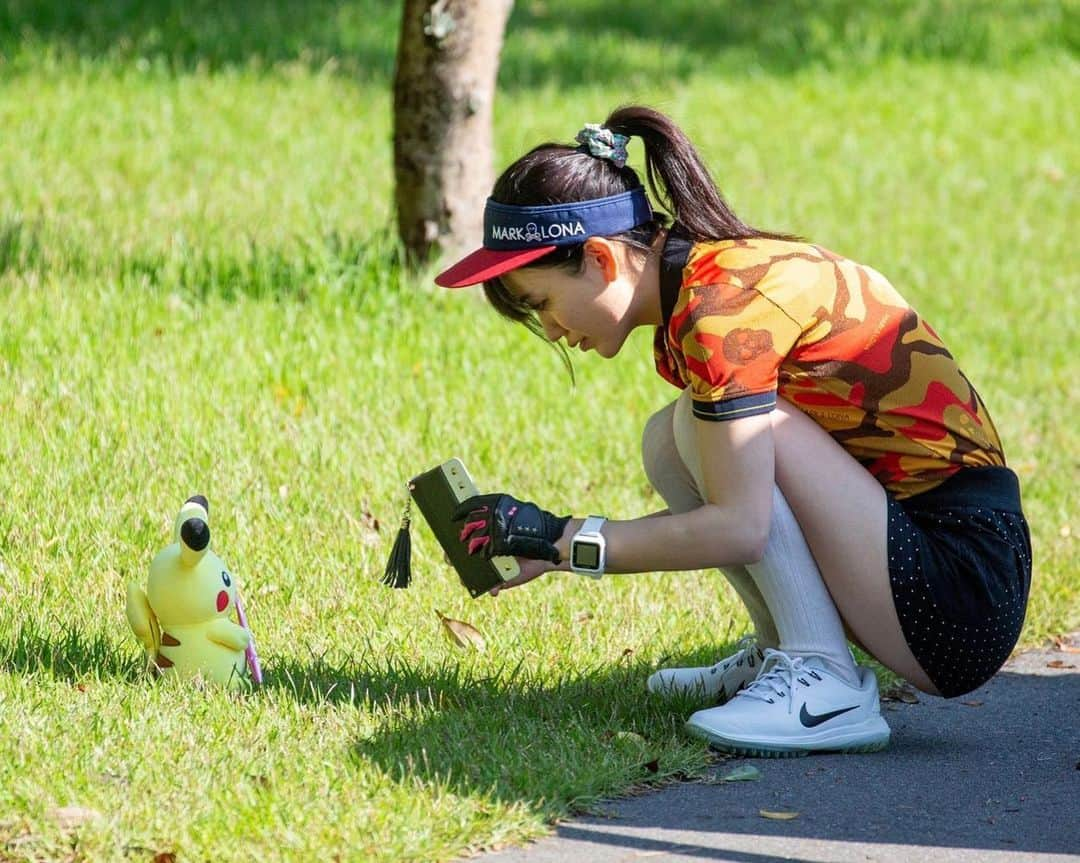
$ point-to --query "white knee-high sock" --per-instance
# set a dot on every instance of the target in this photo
(673, 482)
(791, 584)
(787, 576)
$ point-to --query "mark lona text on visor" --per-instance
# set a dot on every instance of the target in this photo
(533, 233)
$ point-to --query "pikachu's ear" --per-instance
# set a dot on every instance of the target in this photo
(200, 500)
(192, 529)
(194, 540)
(195, 506)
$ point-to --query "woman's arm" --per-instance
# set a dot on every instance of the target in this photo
(658, 513)
(732, 527)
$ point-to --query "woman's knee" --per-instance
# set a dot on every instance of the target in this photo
(663, 466)
(658, 444)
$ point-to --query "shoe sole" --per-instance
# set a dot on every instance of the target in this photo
(770, 749)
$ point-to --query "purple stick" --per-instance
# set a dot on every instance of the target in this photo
(249, 651)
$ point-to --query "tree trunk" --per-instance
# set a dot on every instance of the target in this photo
(444, 87)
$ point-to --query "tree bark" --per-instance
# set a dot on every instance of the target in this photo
(444, 87)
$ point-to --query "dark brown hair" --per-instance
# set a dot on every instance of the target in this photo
(560, 174)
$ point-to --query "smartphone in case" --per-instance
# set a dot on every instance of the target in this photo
(437, 493)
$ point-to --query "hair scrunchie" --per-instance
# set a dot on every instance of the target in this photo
(602, 143)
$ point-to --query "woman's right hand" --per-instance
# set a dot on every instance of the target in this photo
(530, 570)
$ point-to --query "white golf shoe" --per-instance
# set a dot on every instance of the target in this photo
(718, 682)
(796, 706)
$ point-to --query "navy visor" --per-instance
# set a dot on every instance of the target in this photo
(513, 236)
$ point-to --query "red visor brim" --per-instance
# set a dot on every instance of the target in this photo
(484, 264)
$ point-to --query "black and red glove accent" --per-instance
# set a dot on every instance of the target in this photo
(499, 524)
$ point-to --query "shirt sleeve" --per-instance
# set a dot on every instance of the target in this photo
(734, 339)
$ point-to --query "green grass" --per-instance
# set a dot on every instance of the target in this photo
(199, 292)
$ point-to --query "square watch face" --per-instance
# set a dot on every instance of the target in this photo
(586, 555)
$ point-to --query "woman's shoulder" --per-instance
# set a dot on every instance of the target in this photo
(746, 262)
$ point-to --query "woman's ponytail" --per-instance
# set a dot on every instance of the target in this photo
(679, 179)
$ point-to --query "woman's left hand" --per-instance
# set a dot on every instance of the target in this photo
(500, 524)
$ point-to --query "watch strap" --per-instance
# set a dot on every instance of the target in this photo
(592, 524)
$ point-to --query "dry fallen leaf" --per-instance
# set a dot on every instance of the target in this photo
(368, 520)
(743, 773)
(22, 839)
(903, 692)
(1066, 644)
(631, 744)
(461, 633)
(72, 816)
(777, 816)
(165, 857)
(631, 737)
(367, 526)
(1057, 663)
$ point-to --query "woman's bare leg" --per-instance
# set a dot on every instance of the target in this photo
(675, 483)
(848, 536)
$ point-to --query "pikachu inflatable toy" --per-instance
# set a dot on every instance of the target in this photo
(184, 618)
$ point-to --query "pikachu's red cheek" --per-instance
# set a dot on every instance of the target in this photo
(222, 600)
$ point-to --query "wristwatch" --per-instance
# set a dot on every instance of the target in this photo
(588, 550)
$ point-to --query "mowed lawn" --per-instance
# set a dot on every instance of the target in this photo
(200, 292)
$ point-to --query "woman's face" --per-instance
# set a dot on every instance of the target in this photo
(591, 310)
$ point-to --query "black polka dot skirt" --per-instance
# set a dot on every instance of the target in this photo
(960, 569)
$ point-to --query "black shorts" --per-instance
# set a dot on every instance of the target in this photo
(960, 569)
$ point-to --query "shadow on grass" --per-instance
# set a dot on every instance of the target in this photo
(601, 42)
(500, 735)
(615, 43)
(335, 263)
(69, 655)
(187, 36)
(1003, 758)
(988, 771)
(507, 736)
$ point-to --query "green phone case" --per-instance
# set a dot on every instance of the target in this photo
(437, 493)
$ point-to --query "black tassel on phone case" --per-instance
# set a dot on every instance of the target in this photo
(399, 566)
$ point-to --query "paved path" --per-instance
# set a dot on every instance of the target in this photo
(991, 776)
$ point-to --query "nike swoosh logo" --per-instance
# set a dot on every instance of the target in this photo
(810, 720)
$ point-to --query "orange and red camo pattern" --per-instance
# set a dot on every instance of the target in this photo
(759, 317)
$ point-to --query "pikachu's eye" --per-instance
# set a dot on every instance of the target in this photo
(225, 578)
